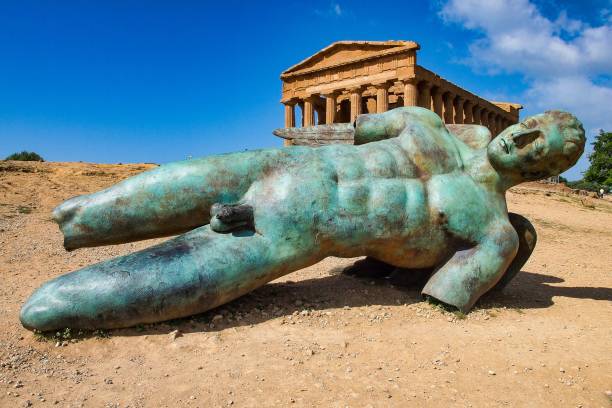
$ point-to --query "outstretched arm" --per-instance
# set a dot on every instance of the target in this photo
(470, 273)
(380, 126)
(367, 128)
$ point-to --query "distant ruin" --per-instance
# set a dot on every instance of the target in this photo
(348, 78)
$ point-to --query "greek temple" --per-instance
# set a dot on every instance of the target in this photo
(349, 78)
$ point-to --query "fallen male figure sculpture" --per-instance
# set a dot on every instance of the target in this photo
(409, 195)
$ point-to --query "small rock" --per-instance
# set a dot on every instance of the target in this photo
(175, 334)
(491, 372)
(192, 397)
(561, 370)
(217, 317)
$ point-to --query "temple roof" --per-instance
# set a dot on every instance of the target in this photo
(343, 52)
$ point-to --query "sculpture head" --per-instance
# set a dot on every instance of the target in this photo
(541, 146)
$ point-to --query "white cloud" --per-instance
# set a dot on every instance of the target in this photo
(337, 9)
(560, 59)
(334, 10)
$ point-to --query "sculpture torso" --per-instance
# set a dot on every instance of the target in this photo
(408, 201)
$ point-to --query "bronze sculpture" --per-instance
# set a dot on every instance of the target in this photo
(409, 194)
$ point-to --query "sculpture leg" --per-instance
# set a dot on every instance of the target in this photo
(169, 200)
(189, 274)
(527, 242)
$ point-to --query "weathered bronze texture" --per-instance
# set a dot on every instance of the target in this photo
(413, 195)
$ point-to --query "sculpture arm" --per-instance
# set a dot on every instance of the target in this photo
(386, 125)
(475, 136)
(472, 272)
(366, 129)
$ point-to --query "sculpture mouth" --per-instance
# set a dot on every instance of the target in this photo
(505, 146)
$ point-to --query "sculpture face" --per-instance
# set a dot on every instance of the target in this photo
(538, 147)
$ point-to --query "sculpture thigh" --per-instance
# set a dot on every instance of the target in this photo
(186, 275)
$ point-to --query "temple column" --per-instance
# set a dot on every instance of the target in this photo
(484, 117)
(458, 105)
(425, 95)
(411, 92)
(491, 122)
(355, 103)
(498, 124)
(289, 114)
(467, 110)
(289, 119)
(308, 112)
(477, 120)
(330, 108)
(437, 101)
(382, 97)
(448, 107)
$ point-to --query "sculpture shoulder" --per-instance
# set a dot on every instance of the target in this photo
(475, 136)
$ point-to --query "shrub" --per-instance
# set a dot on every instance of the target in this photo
(584, 185)
(25, 156)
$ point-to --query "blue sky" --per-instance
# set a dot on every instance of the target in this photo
(147, 81)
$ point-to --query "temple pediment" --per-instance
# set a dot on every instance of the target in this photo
(345, 52)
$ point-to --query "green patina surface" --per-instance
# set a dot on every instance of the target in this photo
(408, 194)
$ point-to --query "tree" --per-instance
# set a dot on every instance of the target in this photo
(25, 156)
(600, 170)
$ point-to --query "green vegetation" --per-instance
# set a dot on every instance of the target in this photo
(69, 336)
(583, 185)
(25, 156)
(24, 210)
(599, 174)
(600, 171)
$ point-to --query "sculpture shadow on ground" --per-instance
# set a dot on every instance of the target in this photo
(530, 290)
(329, 293)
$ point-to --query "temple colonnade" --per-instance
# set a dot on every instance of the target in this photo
(343, 105)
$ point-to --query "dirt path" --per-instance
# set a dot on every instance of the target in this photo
(317, 338)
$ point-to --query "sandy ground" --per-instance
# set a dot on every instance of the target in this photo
(316, 338)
